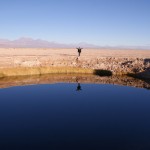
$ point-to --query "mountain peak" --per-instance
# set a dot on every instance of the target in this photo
(26, 42)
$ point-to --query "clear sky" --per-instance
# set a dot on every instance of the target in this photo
(101, 22)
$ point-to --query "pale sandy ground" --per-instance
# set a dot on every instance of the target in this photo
(59, 53)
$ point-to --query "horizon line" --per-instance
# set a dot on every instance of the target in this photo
(77, 44)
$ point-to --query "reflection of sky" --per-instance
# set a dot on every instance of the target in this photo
(57, 117)
(102, 22)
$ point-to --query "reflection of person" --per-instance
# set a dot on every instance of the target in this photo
(79, 50)
(78, 87)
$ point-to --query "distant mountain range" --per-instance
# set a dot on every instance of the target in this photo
(38, 43)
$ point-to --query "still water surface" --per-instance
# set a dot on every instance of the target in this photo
(74, 117)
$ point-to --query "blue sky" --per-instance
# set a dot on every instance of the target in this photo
(100, 22)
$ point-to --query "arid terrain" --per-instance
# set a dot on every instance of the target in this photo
(116, 61)
(59, 53)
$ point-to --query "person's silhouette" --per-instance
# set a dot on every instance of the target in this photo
(78, 87)
(79, 50)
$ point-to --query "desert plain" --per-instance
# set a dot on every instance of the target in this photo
(117, 61)
(59, 53)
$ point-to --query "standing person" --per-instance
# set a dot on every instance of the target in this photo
(79, 50)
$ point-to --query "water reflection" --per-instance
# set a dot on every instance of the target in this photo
(56, 117)
(78, 87)
(69, 78)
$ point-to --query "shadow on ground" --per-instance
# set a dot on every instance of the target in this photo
(145, 75)
(101, 72)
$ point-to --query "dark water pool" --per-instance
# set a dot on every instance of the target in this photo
(74, 117)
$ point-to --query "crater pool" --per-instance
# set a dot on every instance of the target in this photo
(74, 116)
